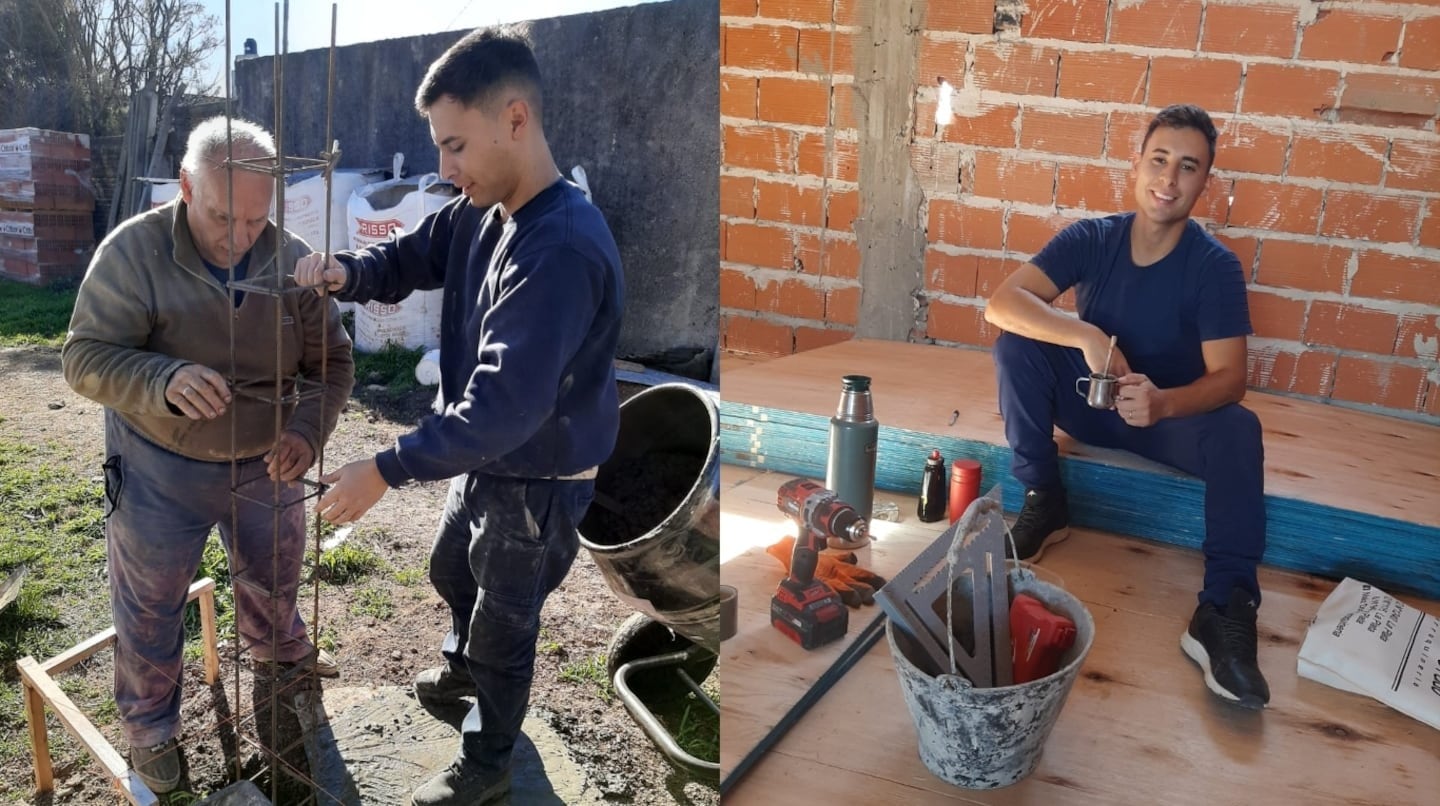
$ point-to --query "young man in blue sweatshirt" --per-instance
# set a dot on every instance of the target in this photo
(1174, 298)
(528, 405)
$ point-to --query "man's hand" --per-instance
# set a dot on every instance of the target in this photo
(313, 271)
(290, 457)
(1095, 350)
(1139, 402)
(200, 393)
(355, 488)
(855, 585)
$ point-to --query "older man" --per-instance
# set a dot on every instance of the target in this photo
(150, 340)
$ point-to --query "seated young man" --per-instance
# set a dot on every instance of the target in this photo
(1174, 299)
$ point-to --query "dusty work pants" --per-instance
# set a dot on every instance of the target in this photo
(1222, 447)
(503, 545)
(160, 508)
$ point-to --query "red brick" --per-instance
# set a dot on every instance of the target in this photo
(1248, 148)
(961, 225)
(1364, 215)
(951, 274)
(737, 196)
(964, 324)
(1078, 133)
(1273, 206)
(1385, 276)
(1304, 265)
(815, 55)
(1016, 67)
(761, 47)
(801, 101)
(1388, 99)
(1342, 35)
(842, 305)
(738, 8)
(724, 239)
(1103, 76)
(1350, 327)
(847, 104)
(1127, 129)
(1094, 188)
(1276, 317)
(842, 207)
(790, 297)
(1414, 165)
(1028, 234)
(737, 290)
(1310, 372)
(1156, 23)
(1245, 250)
(745, 334)
(737, 96)
(1064, 19)
(1421, 48)
(989, 126)
(1289, 91)
(1430, 227)
(797, 10)
(840, 258)
(811, 338)
(1418, 332)
(1213, 205)
(1340, 156)
(769, 247)
(1252, 30)
(965, 16)
(1380, 383)
(940, 59)
(1016, 179)
(762, 148)
(844, 161)
(788, 203)
(992, 271)
(1212, 84)
(936, 165)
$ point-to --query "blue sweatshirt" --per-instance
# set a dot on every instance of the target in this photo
(529, 326)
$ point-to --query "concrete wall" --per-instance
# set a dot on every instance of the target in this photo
(1328, 147)
(630, 96)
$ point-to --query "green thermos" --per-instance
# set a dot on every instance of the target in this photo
(854, 435)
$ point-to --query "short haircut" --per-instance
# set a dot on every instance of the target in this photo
(1183, 116)
(475, 69)
(207, 143)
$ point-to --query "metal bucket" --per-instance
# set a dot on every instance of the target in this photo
(654, 528)
(985, 738)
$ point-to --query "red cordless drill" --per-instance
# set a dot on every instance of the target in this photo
(803, 607)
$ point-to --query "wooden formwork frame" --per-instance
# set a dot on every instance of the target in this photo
(40, 689)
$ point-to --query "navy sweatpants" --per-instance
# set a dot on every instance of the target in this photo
(1222, 447)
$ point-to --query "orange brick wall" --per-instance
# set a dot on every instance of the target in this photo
(1328, 146)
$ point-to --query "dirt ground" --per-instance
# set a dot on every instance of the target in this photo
(384, 628)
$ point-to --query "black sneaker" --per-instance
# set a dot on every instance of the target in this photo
(1224, 646)
(158, 766)
(462, 784)
(1043, 522)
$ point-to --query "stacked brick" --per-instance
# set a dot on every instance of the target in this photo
(46, 203)
(1327, 181)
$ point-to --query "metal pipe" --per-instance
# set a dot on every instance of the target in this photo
(647, 719)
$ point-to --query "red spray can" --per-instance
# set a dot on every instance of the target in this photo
(964, 486)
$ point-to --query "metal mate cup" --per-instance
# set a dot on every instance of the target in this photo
(1101, 392)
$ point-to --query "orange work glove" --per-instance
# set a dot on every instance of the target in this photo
(855, 585)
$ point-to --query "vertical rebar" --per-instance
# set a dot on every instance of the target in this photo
(276, 513)
(234, 438)
(329, 173)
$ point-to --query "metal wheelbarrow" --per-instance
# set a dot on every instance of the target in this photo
(654, 532)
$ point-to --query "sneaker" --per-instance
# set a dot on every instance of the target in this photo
(1043, 522)
(158, 766)
(462, 784)
(1224, 646)
(443, 686)
(326, 665)
(322, 663)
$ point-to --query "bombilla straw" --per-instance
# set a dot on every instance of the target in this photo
(1107, 356)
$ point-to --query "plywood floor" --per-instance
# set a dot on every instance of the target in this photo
(1323, 454)
(1139, 726)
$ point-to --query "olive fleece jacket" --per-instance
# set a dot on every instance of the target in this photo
(148, 306)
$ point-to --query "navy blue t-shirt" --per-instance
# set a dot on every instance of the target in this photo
(1159, 313)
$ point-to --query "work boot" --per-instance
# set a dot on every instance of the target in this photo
(443, 686)
(1043, 522)
(462, 784)
(158, 766)
(1224, 646)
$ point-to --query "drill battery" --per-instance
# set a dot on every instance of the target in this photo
(1038, 638)
(811, 614)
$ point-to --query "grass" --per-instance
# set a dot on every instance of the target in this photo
(373, 602)
(348, 562)
(32, 315)
(392, 367)
(590, 671)
(699, 731)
